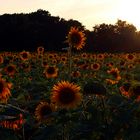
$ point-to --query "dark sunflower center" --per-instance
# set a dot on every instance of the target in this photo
(95, 66)
(130, 56)
(115, 74)
(10, 68)
(63, 59)
(75, 38)
(1, 87)
(67, 96)
(45, 111)
(40, 49)
(51, 70)
(126, 86)
(44, 63)
(24, 55)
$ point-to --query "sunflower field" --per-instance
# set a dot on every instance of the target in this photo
(69, 96)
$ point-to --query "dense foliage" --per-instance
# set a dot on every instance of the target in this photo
(108, 109)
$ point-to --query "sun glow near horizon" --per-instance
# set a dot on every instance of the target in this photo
(129, 11)
(88, 12)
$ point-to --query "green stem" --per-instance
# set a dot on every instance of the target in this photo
(70, 61)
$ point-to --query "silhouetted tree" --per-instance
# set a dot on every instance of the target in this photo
(28, 31)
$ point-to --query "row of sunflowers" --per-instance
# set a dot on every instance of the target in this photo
(69, 96)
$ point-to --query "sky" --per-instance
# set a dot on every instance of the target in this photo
(88, 12)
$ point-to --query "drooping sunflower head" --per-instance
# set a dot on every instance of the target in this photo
(115, 73)
(15, 123)
(40, 50)
(134, 90)
(66, 95)
(10, 69)
(43, 112)
(76, 38)
(4, 90)
(125, 88)
(24, 55)
(51, 71)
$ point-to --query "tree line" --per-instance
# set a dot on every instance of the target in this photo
(27, 31)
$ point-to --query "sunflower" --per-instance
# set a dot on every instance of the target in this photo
(54, 61)
(100, 56)
(66, 95)
(111, 64)
(134, 90)
(111, 81)
(84, 55)
(44, 111)
(4, 90)
(115, 73)
(15, 124)
(63, 59)
(50, 56)
(40, 56)
(76, 38)
(75, 60)
(24, 55)
(130, 57)
(44, 63)
(131, 66)
(40, 50)
(95, 66)
(124, 89)
(93, 56)
(122, 63)
(51, 71)
(75, 74)
(10, 69)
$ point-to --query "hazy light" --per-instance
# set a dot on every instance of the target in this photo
(88, 12)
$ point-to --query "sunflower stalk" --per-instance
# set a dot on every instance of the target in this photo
(65, 134)
(84, 105)
(15, 107)
(70, 61)
(104, 115)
